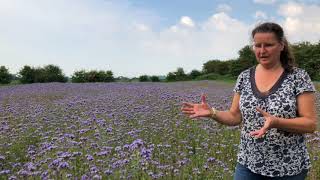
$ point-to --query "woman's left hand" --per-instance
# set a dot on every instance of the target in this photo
(270, 122)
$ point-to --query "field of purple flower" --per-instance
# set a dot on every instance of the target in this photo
(118, 131)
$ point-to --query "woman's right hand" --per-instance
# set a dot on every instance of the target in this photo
(197, 110)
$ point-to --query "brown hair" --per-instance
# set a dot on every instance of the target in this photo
(286, 56)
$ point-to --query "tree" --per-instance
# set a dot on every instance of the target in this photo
(210, 66)
(5, 76)
(194, 74)
(27, 74)
(155, 79)
(53, 73)
(171, 77)
(92, 76)
(246, 60)
(307, 56)
(79, 77)
(180, 74)
(143, 78)
(109, 76)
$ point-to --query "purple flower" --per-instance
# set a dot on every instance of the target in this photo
(13, 178)
(63, 165)
(44, 175)
(108, 172)
(55, 163)
(64, 155)
(109, 129)
(211, 159)
(103, 153)
(24, 173)
(30, 166)
(135, 144)
(146, 153)
(84, 177)
(93, 170)
(71, 136)
(98, 177)
(74, 154)
(89, 157)
(3, 172)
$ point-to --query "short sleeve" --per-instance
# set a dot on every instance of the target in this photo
(238, 87)
(303, 83)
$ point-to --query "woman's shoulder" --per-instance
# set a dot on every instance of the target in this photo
(299, 72)
(246, 72)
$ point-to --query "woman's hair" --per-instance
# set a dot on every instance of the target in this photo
(286, 56)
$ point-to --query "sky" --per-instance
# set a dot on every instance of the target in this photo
(141, 37)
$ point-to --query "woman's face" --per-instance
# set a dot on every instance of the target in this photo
(267, 48)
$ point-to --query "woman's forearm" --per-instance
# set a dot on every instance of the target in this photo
(297, 125)
(228, 118)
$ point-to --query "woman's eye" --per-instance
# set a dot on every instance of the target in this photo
(257, 45)
(268, 45)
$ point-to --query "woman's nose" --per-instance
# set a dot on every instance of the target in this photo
(263, 49)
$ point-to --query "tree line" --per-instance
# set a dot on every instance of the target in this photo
(53, 73)
(307, 56)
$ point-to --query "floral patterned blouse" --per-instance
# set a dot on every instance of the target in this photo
(278, 153)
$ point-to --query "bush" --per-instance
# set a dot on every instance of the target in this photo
(49, 73)
(5, 76)
(194, 74)
(155, 79)
(214, 76)
(92, 76)
(144, 78)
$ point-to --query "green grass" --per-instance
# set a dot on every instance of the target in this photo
(317, 85)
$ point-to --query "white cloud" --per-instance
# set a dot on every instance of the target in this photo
(187, 21)
(142, 27)
(291, 9)
(264, 1)
(301, 21)
(80, 34)
(107, 35)
(224, 8)
(260, 15)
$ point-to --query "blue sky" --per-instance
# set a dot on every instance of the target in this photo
(136, 37)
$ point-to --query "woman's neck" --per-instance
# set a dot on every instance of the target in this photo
(271, 68)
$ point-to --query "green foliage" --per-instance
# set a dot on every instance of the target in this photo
(155, 79)
(194, 74)
(53, 73)
(181, 75)
(27, 75)
(214, 76)
(216, 66)
(5, 76)
(49, 73)
(92, 76)
(79, 77)
(178, 75)
(171, 77)
(246, 60)
(307, 57)
(122, 79)
(317, 85)
(144, 78)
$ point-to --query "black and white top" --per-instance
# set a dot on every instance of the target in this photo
(277, 153)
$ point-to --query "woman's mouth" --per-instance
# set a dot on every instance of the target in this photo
(263, 57)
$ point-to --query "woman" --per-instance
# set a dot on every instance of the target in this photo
(275, 103)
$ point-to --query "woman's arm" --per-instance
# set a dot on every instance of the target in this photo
(306, 122)
(231, 117)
